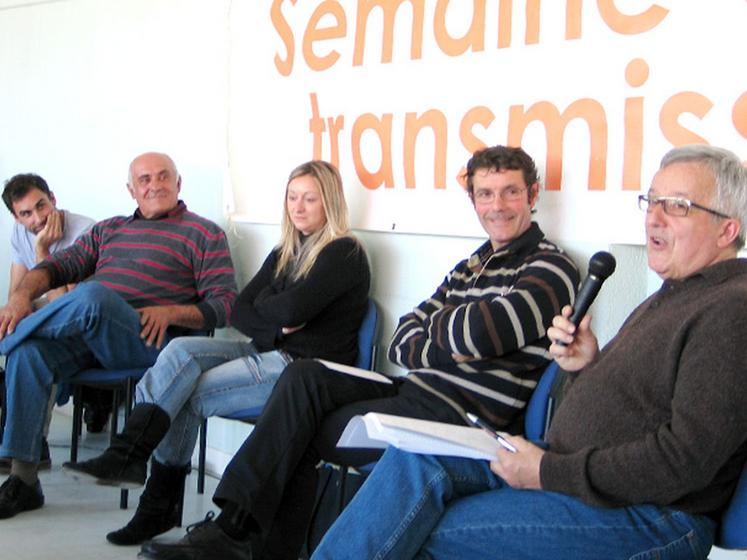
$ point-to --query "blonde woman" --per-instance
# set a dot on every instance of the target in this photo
(307, 300)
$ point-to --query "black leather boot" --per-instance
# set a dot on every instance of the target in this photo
(158, 510)
(125, 461)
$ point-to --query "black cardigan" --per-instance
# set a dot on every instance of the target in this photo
(330, 302)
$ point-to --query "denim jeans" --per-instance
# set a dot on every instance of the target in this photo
(87, 327)
(420, 506)
(197, 377)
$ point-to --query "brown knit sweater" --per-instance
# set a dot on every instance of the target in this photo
(660, 416)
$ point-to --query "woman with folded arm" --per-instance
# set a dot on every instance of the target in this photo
(307, 301)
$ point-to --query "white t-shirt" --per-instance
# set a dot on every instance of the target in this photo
(23, 242)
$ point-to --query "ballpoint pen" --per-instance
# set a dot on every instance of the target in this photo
(479, 423)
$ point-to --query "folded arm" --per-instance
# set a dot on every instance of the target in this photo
(269, 305)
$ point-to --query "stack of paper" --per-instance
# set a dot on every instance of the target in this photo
(375, 430)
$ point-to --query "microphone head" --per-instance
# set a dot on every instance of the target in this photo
(602, 265)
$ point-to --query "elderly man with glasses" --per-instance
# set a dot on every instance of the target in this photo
(647, 446)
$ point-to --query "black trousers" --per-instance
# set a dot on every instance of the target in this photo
(273, 475)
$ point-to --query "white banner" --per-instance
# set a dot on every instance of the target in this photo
(399, 93)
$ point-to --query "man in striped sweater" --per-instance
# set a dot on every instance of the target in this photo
(144, 279)
(478, 344)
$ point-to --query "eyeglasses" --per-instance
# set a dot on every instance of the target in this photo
(674, 205)
(509, 194)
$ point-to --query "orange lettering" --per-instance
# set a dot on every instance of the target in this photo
(475, 36)
(316, 126)
(389, 9)
(382, 127)
(436, 121)
(555, 124)
(572, 20)
(531, 35)
(285, 67)
(505, 15)
(315, 33)
(739, 115)
(336, 124)
(636, 75)
(477, 115)
(684, 102)
(630, 25)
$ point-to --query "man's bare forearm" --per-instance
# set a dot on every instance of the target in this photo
(34, 283)
(188, 316)
(17, 272)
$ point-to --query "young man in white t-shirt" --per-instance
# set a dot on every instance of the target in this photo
(40, 229)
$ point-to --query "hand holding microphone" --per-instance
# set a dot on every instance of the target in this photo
(601, 267)
(564, 329)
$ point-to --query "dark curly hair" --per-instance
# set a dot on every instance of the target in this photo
(497, 158)
(19, 185)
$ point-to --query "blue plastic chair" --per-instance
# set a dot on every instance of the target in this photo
(541, 405)
(366, 360)
(732, 531)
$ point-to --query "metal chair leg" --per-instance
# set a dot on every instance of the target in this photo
(77, 422)
(202, 457)
(124, 494)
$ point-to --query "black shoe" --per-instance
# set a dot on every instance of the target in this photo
(45, 462)
(17, 496)
(159, 507)
(204, 541)
(96, 417)
(109, 469)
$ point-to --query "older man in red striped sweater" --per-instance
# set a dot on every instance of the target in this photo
(144, 279)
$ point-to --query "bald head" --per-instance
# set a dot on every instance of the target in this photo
(165, 159)
(154, 183)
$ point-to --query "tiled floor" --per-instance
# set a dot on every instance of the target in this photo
(76, 516)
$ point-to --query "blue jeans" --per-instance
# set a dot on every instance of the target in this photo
(88, 327)
(197, 377)
(420, 506)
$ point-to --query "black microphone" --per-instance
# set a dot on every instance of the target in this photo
(601, 267)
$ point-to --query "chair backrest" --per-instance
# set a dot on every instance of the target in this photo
(539, 406)
(367, 337)
(732, 531)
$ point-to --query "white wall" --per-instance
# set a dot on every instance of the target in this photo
(89, 84)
